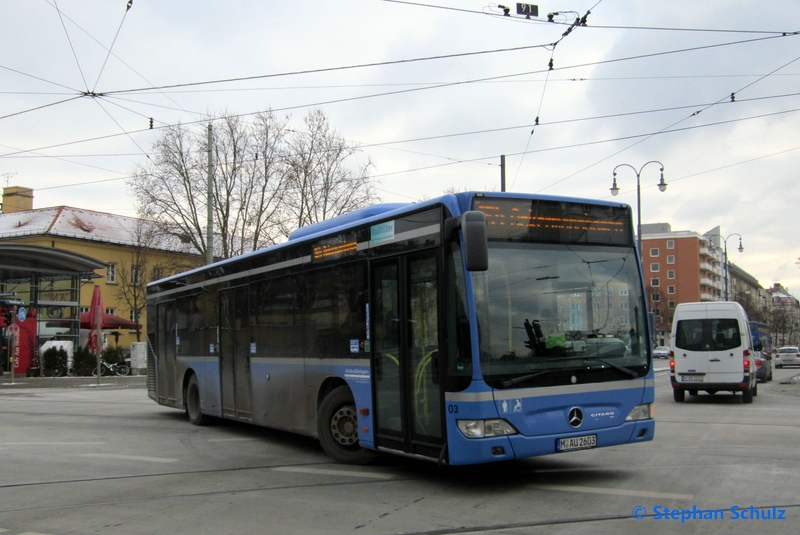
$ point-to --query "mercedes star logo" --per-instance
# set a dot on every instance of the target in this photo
(575, 417)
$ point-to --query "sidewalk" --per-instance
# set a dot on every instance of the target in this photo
(130, 381)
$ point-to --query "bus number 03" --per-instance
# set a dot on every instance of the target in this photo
(452, 409)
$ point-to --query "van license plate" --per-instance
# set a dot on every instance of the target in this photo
(577, 443)
(692, 378)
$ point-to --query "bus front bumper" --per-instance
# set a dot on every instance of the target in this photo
(463, 450)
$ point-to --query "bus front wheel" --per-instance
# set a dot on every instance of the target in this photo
(192, 400)
(337, 426)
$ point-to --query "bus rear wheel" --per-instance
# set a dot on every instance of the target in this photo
(192, 400)
(337, 427)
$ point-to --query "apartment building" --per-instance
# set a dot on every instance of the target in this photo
(679, 267)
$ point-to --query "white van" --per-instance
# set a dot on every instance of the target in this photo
(712, 350)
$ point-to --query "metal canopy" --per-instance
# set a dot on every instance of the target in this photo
(21, 260)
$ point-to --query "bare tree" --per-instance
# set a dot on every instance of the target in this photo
(141, 263)
(320, 183)
(267, 181)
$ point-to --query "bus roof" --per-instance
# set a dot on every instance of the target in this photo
(457, 203)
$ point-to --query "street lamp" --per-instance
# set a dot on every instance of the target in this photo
(662, 186)
(725, 255)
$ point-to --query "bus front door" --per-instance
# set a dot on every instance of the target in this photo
(235, 353)
(405, 339)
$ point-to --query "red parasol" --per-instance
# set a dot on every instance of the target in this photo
(97, 303)
(107, 322)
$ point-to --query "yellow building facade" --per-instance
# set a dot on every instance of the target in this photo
(133, 257)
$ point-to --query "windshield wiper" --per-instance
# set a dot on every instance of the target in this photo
(617, 367)
(523, 378)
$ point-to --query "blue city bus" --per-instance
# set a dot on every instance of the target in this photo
(470, 328)
(760, 332)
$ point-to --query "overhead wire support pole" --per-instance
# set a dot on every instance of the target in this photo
(502, 172)
(210, 204)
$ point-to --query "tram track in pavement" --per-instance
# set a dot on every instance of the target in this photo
(365, 478)
(356, 477)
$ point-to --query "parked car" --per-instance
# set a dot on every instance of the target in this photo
(787, 356)
(764, 367)
(661, 352)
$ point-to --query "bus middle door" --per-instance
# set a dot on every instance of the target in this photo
(235, 352)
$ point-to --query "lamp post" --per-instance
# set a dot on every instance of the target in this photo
(725, 255)
(662, 186)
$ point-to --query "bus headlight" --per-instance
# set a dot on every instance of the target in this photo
(486, 428)
(645, 411)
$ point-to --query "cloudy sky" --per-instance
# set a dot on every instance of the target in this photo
(434, 92)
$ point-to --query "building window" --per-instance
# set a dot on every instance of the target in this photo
(670, 289)
(110, 311)
(623, 291)
(595, 306)
(655, 282)
(624, 320)
(135, 274)
(656, 312)
(111, 273)
(655, 297)
(654, 252)
(670, 244)
(623, 305)
(670, 304)
(132, 317)
(654, 268)
(670, 274)
(84, 309)
(158, 273)
(670, 259)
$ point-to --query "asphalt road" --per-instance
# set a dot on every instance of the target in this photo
(77, 458)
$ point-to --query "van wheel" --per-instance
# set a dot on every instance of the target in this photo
(678, 394)
(747, 395)
(755, 389)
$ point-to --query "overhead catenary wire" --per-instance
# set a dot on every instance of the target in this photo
(500, 77)
(110, 48)
(669, 128)
(204, 119)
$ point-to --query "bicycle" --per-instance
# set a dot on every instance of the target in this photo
(109, 369)
(59, 370)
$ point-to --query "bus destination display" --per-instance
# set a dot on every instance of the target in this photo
(555, 221)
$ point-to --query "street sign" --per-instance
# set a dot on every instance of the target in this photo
(529, 10)
(21, 314)
(13, 329)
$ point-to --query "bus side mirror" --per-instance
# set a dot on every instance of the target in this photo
(476, 244)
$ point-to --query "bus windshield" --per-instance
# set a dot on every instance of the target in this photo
(559, 314)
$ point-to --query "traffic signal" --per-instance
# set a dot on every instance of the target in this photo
(5, 316)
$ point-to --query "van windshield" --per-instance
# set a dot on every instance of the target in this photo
(718, 334)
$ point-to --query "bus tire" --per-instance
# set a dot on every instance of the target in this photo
(192, 400)
(337, 427)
